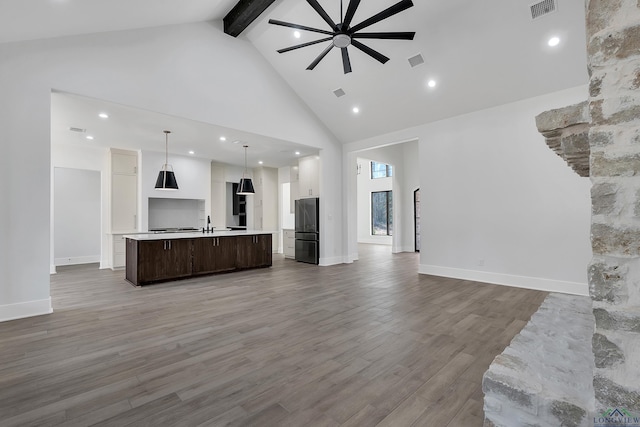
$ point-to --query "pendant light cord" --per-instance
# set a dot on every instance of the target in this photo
(245, 160)
(166, 150)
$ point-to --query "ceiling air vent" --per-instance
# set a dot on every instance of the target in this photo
(414, 61)
(72, 129)
(542, 8)
(339, 92)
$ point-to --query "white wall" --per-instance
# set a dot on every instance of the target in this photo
(193, 71)
(497, 204)
(77, 216)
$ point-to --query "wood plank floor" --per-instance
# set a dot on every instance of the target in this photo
(365, 344)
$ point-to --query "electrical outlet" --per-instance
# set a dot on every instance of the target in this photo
(480, 262)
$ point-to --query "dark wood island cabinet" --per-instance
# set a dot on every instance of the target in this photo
(159, 259)
(214, 255)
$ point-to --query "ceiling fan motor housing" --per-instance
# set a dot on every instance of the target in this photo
(341, 40)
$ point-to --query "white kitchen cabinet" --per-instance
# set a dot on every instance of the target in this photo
(124, 191)
(308, 177)
(289, 242)
(118, 251)
(124, 162)
(123, 200)
(265, 200)
(293, 188)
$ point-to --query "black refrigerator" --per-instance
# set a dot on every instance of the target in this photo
(308, 230)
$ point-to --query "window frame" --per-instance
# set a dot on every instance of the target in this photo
(388, 170)
(389, 213)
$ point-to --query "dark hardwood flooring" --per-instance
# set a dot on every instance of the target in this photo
(365, 344)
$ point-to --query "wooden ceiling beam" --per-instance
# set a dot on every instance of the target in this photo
(243, 14)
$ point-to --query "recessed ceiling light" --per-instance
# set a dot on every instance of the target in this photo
(89, 137)
(103, 115)
(554, 41)
(222, 138)
(260, 162)
(192, 152)
(297, 153)
(296, 34)
(356, 110)
(431, 83)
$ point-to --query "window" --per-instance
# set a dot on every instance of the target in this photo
(381, 213)
(380, 170)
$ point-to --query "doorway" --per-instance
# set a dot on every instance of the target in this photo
(416, 218)
(76, 216)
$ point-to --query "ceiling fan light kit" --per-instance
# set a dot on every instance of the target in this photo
(342, 35)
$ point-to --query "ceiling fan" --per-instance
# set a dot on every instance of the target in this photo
(342, 34)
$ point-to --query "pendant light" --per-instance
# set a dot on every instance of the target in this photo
(246, 186)
(166, 178)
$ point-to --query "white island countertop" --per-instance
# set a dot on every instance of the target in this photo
(195, 234)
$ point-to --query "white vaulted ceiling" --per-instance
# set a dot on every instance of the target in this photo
(480, 53)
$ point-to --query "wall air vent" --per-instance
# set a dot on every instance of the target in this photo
(414, 61)
(72, 129)
(339, 92)
(542, 8)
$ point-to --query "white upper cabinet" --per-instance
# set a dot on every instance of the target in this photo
(309, 177)
(124, 191)
(124, 163)
(293, 188)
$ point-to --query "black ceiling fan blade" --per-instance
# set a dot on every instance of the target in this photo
(351, 10)
(396, 8)
(346, 63)
(299, 27)
(372, 53)
(389, 36)
(319, 58)
(316, 6)
(298, 46)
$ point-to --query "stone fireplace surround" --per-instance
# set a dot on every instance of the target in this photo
(579, 356)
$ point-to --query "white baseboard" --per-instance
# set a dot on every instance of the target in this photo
(351, 258)
(324, 262)
(381, 240)
(403, 249)
(25, 309)
(77, 260)
(536, 283)
(52, 269)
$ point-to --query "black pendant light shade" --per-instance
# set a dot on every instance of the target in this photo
(245, 187)
(166, 178)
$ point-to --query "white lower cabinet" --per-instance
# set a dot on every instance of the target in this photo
(289, 242)
(118, 251)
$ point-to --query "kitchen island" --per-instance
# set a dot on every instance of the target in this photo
(160, 257)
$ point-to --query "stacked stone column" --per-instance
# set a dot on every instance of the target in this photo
(613, 43)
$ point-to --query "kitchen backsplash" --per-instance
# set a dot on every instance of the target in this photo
(175, 213)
